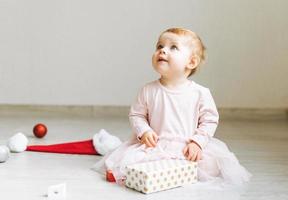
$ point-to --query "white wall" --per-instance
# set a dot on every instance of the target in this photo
(99, 52)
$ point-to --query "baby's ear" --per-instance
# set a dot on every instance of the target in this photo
(194, 62)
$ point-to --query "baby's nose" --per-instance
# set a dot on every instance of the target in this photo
(163, 50)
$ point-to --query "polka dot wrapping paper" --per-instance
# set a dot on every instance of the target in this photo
(160, 175)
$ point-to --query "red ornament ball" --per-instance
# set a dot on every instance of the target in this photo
(40, 130)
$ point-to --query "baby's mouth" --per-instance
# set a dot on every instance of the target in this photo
(162, 60)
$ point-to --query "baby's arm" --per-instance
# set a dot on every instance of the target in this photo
(138, 117)
(208, 119)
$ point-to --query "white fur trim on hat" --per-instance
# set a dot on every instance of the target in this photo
(104, 142)
(17, 143)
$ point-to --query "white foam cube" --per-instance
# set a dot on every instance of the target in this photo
(160, 175)
(57, 192)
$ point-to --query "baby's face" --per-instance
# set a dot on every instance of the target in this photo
(172, 56)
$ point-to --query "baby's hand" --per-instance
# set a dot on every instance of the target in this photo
(149, 138)
(192, 152)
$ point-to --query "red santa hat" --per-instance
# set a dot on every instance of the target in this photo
(100, 144)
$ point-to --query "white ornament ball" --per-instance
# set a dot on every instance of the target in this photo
(17, 143)
(4, 153)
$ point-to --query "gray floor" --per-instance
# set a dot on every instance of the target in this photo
(261, 147)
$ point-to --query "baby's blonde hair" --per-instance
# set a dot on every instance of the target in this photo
(197, 45)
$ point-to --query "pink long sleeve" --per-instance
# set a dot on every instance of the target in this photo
(208, 119)
(138, 115)
(190, 113)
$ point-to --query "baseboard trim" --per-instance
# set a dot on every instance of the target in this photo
(122, 111)
(58, 110)
(254, 113)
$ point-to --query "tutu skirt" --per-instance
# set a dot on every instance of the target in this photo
(217, 161)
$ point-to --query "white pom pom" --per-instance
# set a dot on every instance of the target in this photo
(17, 143)
(104, 142)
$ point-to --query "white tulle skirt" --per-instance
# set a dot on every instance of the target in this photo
(217, 161)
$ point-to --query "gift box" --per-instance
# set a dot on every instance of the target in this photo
(160, 175)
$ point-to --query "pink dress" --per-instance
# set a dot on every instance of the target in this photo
(177, 116)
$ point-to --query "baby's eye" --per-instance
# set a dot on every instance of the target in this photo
(174, 47)
(159, 46)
